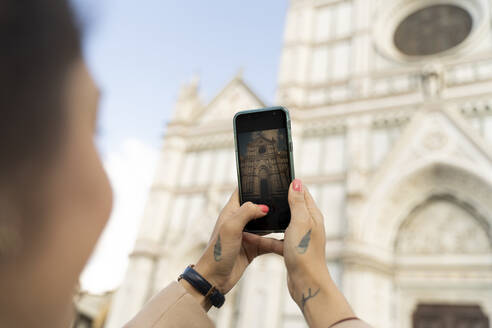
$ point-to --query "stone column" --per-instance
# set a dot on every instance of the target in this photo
(358, 148)
(366, 283)
(358, 153)
(358, 170)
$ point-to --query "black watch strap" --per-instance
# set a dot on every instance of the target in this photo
(203, 286)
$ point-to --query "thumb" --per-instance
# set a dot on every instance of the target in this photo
(247, 212)
(298, 208)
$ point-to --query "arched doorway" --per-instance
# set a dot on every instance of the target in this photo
(443, 225)
(422, 239)
(264, 183)
(437, 242)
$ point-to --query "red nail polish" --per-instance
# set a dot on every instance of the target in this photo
(264, 208)
(297, 185)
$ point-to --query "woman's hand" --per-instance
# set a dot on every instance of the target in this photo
(304, 244)
(231, 250)
(308, 278)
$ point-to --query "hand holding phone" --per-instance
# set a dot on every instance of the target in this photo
(308, 279)
(265, 165)
(230, 250)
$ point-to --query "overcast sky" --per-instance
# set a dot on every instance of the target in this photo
(140, 52)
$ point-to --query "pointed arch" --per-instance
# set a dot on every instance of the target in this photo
(443, 224)
(392, 204)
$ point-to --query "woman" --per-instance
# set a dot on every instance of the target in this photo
(56, 199)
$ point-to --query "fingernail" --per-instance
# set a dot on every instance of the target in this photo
(297, 185)
(264, 208)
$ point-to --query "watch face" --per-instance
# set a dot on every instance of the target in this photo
(432, 30)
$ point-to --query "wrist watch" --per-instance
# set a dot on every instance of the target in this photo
(203, 286)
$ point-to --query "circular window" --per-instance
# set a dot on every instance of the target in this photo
(262, 149)
(432, 30)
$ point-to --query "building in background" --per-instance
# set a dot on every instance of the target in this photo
(91, 310)
(392, 127)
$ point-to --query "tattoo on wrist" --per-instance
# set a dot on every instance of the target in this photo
(304, 243)
(307, 297)
(218, 250)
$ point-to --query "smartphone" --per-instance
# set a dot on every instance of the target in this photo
(265, 165)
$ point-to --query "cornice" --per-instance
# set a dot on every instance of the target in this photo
(355, 254)
(462, 262)
(215, 141)
(370, 108)
(476, 109)
(329, 120)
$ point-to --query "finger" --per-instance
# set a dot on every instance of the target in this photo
(236, 222)
(298, 209)
(264, 245)
(313, 208)
(249, 211)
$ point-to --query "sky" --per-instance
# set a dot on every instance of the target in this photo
(140, 53)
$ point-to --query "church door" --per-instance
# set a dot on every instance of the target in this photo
(264, 187)
(449, 316)
(265, 194)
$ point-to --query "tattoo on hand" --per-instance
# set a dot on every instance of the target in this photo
(306, 298)
(217, 250)
(303, 245)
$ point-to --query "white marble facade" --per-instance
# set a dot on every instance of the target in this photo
(396, 149)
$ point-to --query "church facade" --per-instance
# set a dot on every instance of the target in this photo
(264, 168)
(391, 107)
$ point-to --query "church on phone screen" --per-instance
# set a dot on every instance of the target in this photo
(391, 106)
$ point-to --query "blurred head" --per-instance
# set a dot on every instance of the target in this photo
(55, 197)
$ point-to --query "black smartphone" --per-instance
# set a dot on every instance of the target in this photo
(265, 165)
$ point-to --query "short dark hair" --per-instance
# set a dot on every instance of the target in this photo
(39, 41)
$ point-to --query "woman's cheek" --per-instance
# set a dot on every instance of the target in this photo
(90, 190)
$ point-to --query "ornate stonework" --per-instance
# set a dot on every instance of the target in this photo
(442, 227)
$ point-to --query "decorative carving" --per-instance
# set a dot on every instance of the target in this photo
(432, 81)
(188, 101)
(435, 140)
(469, 192)
(442, 227)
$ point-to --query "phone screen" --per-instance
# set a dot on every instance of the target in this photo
(263, 149)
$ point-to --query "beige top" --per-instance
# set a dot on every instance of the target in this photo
(173, 307)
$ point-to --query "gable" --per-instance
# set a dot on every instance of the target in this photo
(236, 96)
(434, 135)
(438, 154)
(260, 140)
